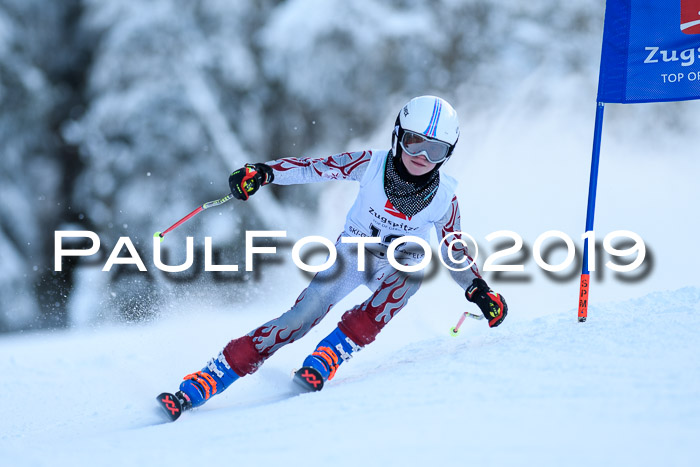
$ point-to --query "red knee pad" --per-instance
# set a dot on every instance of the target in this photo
(242, 356)
(359, 326)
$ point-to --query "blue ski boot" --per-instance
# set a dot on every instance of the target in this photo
(199, 386)
(322, 364)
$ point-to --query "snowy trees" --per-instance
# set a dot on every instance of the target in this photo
(35, 88)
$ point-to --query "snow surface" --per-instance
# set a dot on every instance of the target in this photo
(621, 389)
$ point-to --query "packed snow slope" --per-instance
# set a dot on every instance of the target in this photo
(621, 389)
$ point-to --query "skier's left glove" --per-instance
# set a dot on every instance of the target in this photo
(492, 305)
(245, 181)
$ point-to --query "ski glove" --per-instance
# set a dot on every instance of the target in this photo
(492, 305)
(245, 181)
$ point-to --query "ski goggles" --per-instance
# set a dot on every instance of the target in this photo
(415, 144)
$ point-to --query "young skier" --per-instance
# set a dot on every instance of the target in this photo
(401, 193)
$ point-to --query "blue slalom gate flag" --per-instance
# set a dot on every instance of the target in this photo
(651, 51)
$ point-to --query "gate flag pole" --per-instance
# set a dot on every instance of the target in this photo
(649, 47)
(592, 188)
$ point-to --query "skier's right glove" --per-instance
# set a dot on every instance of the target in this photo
(245, 181)
(492, 305)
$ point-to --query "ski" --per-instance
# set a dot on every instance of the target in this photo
(308, 378)
(172, 405)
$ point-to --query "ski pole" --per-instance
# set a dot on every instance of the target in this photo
(455, 330)
(201, 208)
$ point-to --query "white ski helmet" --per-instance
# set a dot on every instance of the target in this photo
(427, 126)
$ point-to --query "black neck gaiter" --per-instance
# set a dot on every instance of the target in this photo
(408, 193)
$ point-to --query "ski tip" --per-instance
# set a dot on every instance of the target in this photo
(308, 378)
(159, 235)
(171, 405)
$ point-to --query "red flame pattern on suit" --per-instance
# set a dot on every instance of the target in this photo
(458, 249)
(347, 166)
(289, 163)
(282, 335)
(245, 354)
(365, 321)
(344, 166)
